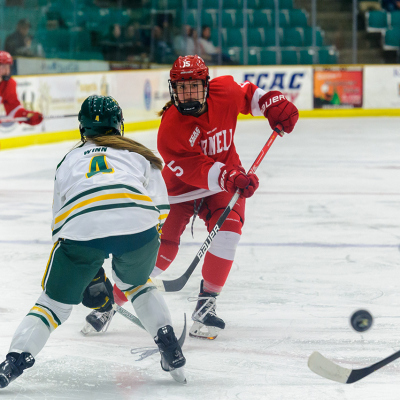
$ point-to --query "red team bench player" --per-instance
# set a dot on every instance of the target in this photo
(202, 171)
(8, 94)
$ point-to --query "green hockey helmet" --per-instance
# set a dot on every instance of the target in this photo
(100, 115)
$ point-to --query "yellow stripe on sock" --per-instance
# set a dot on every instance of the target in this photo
(128, 293)
(49, 317)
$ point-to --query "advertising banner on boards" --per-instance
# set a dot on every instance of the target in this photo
(338, 87)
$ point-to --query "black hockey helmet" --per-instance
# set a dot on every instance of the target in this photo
(100, 115)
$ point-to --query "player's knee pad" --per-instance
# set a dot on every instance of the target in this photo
(54, 312)
(224, 245)
(233, 222)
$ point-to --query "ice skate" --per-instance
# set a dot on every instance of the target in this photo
(206, 324)
(14, 366)
(97, 321)
(172, 359)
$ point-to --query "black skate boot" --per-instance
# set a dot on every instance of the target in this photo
(97, 321)
(14, 366)
(206, 323)
(172, 359)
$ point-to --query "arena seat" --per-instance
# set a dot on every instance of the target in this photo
(289, 57)
(394, 19)
(293, 37)
(308, 36)
(268, 57)
(376, 21)
(391, 39)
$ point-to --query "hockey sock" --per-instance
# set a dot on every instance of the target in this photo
(119, 296)
(215, 272)
(218, 260)
(34, 330)
(30, 336)
(150, 308)
(166, 254)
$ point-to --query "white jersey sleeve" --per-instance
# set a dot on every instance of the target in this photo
(101, 192)
(157, 190)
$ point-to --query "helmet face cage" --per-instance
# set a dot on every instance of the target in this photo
(186, 70)
(194, 92)
(99, 116)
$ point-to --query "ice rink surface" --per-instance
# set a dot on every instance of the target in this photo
(321, 240)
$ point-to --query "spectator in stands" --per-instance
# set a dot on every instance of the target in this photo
(208, 51)
(186, 44)
(391, 5)
(162, 50)
(133, 42)
(113, 45)
(19, 43)
(55, 21)
(369, 5)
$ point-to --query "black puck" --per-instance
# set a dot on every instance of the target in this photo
(361, 320)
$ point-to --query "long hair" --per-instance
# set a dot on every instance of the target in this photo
(124, 143)
(165, 108)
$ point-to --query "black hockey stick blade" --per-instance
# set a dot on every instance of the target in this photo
(328, 369)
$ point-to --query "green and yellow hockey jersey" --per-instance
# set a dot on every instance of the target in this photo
(101, 191)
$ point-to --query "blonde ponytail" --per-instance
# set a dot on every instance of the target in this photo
(124, 143)
(165, 108)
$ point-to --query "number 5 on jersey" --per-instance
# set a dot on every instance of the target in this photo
(98, 164)
(177, 169)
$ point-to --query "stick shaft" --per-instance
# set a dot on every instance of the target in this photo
(24, 119)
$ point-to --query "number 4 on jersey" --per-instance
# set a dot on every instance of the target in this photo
(98, 164)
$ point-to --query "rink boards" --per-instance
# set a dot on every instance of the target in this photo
(320, 91)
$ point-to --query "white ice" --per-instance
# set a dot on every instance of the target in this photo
(321, 240)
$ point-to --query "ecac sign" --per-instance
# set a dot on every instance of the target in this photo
(276, 81)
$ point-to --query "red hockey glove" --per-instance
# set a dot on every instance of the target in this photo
(278, 110)
(34, 118)
(233, 177)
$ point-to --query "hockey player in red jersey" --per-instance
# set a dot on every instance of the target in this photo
(8, 94)
(203, 170)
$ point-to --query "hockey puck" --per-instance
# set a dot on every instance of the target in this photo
(361, 320)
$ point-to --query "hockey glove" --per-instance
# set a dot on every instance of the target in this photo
(278, 110)
(233, 177)
(34, 118)
(99, 293)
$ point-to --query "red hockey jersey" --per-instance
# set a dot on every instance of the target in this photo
(195, 148)
(8, 96)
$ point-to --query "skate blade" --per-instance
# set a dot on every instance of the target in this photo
(201, 331)
(179, 375)
(88, 329)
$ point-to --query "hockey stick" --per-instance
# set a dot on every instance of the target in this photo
(177, 284)
(328, 369)
(128, 315)
(24, 119)
(125, 313)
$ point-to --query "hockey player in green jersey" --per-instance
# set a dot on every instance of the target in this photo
(109, 198)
